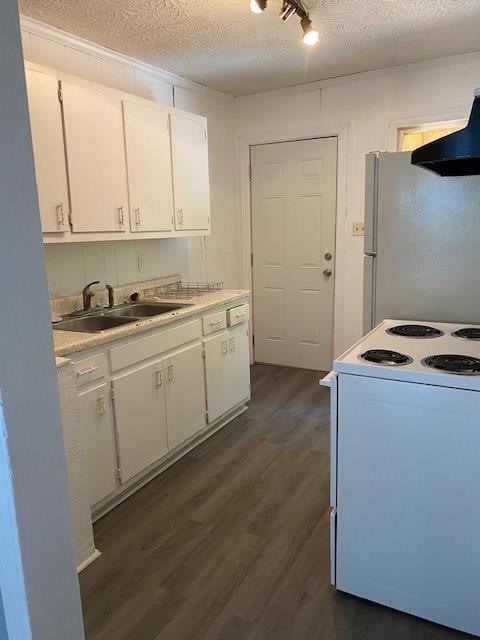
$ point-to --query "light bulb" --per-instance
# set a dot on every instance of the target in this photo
(311, 37)
(255, 7)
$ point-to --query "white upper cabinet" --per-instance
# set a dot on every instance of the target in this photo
(190, 172)
(147, 137)
(49, 151)
(96, 159)
(111, 165)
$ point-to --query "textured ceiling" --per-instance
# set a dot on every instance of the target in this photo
(221, 44)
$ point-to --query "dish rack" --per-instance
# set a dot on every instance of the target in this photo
(182, 290)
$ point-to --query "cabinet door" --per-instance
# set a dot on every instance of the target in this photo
(239, 365)
(48, 149)
(149, 163)
(97, 424)
(185, 394)
(217, 370)
(190, 172)
(96, 159)
(140, 418)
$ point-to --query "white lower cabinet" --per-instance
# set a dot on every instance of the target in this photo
(141, 399)
(96, 420)
(140, 418)
(184, 394)
(227, 369)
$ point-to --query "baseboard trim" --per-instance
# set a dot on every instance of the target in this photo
(83, 565)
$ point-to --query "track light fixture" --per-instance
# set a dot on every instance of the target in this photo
(289, 8)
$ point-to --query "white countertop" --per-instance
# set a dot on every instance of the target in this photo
(68, 342)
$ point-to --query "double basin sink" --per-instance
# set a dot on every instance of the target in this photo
(104, 319)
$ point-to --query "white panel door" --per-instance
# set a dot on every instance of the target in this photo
(185, 394)
(49, 150)
(96, 159)
(293, 243)
(96, 422)
(190, 172)
(149, 163)
(140, 418)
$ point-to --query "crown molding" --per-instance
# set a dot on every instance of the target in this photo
(44, 30)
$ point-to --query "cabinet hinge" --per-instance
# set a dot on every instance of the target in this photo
(119, 473)
(112, 392)
(249, 171)
(251, 259)
(70, 220)
(60, 93)
(204, 354)
(206, 416)
(253, 339)
(205, 134)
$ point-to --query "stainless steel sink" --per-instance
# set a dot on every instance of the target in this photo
(145, 309)
(93, 324)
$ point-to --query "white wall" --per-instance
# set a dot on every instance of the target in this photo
(371, 104)
(37, 571)
(70, 267)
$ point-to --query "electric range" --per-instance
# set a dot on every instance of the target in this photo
(405, 481)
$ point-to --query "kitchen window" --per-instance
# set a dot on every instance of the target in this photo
(410, 138)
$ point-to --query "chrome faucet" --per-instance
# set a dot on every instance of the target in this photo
(88, 295)
(111, 299)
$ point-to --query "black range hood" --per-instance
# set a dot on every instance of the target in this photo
(457, 154)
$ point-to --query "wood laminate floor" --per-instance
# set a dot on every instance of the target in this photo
(232, 542)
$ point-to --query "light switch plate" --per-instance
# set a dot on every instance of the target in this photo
(142, 264)
(358, 229)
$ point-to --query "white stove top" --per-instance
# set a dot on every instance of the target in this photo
(416, 349)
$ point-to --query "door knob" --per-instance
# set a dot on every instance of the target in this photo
(328, 256)
(327, 273)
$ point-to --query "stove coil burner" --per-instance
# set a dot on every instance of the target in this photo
(469, 333)
(452, 363)
(386, 357)
(415, 331)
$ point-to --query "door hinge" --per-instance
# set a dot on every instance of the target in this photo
(112, 392)
(119, 473)
(253, 339)
(249, 171)
(60, 93)
(70, 220)
(204, 354)
(205, 133)
(251, 259)
(206, 416)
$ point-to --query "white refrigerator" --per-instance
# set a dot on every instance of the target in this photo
(422, 243)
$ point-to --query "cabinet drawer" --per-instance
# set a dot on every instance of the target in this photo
(90, 369)
(144, 348)
(237, 315)
(215, 322)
